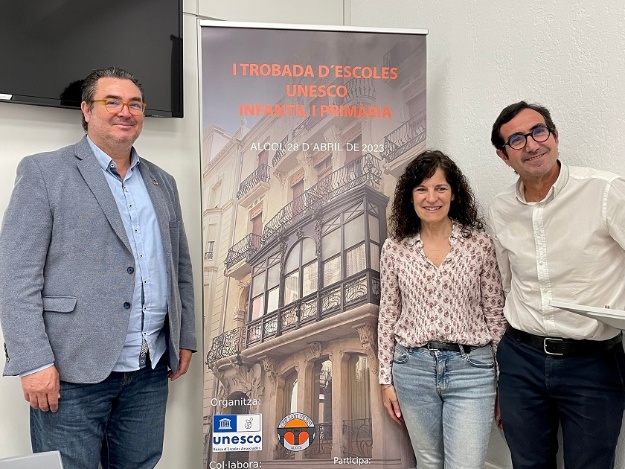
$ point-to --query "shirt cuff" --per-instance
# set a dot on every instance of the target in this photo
(26, 373)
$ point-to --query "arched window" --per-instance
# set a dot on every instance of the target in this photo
(290, 394)
(265, 287)
(322, 406)
(300, 271)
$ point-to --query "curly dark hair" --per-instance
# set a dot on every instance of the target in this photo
(404, 221)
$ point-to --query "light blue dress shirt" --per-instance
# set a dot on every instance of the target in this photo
(149, 303)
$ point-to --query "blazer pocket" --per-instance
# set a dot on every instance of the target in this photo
(59, 304)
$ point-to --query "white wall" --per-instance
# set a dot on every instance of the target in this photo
(482, 56)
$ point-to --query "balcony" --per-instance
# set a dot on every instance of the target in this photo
(321, 447)
(408, 58)
(359, 289)
(225, 345)
(363, 171)
(358, 90)
(242, 250)
(255, 184)
(357, 438)
(281, 151)
(405, 137)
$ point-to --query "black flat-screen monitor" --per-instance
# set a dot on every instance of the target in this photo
(47, 47)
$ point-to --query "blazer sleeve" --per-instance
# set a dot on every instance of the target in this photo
(24, 240)
(185, 284)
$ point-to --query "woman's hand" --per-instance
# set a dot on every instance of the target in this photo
(389, 399)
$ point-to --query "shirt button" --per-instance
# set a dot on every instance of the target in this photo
(130, 270)
(126, 305)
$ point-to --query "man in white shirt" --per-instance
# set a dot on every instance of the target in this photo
(560, 236)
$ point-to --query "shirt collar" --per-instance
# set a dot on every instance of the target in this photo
(105, 161)
(554, 190)
(455, 234)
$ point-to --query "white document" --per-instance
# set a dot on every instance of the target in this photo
(612, 317)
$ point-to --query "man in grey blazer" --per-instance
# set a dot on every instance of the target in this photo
(96, 294)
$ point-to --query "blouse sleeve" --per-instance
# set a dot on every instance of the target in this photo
(390, 309)
(492, 293)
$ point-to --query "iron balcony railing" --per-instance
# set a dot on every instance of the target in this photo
(322, 444)
(363, 171)
(357, 438)
(357, 89)
(404, 137)
(244, 249)
(359, 289)
(281, 151)
(225, 345)
(261, 174)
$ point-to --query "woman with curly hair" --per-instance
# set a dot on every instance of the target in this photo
(440, 316)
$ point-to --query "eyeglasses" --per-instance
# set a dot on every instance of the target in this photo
(115, 106)
(539, 133)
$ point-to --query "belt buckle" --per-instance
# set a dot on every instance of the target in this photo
(545, 346)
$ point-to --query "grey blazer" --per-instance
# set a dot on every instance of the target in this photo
(65, 282)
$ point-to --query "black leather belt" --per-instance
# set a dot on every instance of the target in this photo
(453, 347)
(560, 347)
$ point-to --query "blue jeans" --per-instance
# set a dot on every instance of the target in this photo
(447, 400)
(119, 422)
(539, 392)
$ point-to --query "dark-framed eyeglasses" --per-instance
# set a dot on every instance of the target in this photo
(115, 106)
(540, 134)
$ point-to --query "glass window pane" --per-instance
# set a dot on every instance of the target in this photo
(291, 287)
(309, 276)
(355, 260)
(292, 262)
(375, 256)
(273, 276)
(374, 228)
(360, 387)
(322, 395)
(258, 284)
(290, 389)
(272, 300)
(354, 231)
(331, 244)
(332, 271)
(257, 307)
(308, 250)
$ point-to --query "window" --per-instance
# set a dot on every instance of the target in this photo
(215, 195)
(324, 167)
(300, 278)
(322, 397)
(211, 233)
(265, 287)
(360, 390)
(290, 393)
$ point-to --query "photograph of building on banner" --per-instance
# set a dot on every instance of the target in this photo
(304, 133)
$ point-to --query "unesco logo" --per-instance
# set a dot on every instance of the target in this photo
(296, 431)
(240, 432)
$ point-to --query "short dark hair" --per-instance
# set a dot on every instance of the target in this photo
(508, 114)
(90, 83)
(404, 221)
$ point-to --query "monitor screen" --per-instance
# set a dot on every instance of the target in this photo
(47, 47)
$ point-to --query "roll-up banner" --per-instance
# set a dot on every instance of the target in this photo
(305, 130)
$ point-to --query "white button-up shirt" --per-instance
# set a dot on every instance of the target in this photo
(568, 247)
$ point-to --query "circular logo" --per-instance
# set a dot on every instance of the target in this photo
(296, 431)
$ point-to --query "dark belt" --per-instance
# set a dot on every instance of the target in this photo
(453, 347)
(560, 347)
